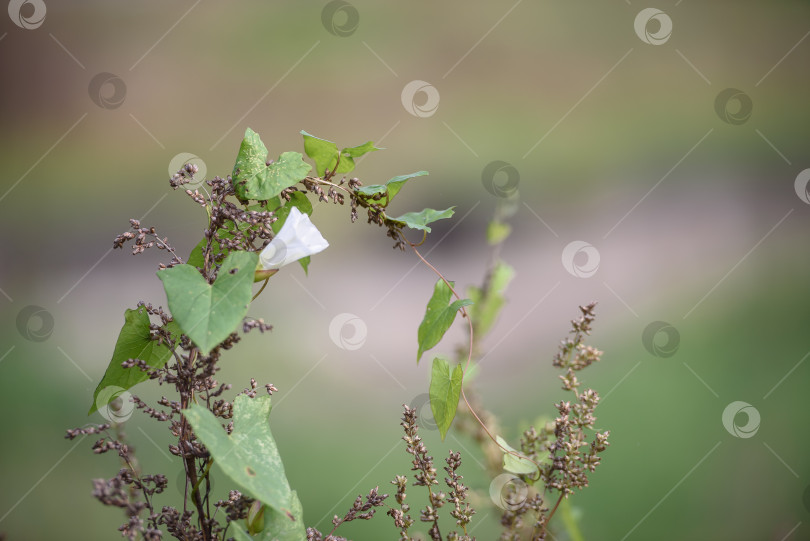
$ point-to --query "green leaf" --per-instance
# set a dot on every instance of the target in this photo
(517, 464)
(389, 189)
(254, 179)
(283, 526)
(348, 155)
(486, 309)
(134, 342)
(497, 232)
(252, 158)
(325, 154)
(438, 317)
(278, 526)
(209, 313)
(445, 389)
(249, 456)
(196, 257)
(419, 220)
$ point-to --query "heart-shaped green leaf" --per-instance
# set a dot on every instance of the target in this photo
(249, 456)
(209, 313)
(438, 317)
(325, 154)
(445, 389)
(388, 190)
(254, 179)
(516, 464)
(134, 342)
(419, 220)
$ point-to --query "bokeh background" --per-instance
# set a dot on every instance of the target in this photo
(688, 203)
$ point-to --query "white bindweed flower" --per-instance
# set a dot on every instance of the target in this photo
(298, 238)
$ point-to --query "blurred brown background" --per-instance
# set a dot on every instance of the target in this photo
(689, 203)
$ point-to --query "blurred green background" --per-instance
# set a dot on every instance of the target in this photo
(690, 202)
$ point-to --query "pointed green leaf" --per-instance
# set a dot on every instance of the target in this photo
(268, 182)
(325, 154)
(209, 313)
(419, 220)
(348, 155)
(254, 179)
(516, 464)
(251, 160)
(134, 342)
(196, 257)
(486, 309)
(438, 317)
(249, 456)
(445, 390)
(388, 190)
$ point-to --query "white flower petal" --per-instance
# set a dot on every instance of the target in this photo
(298, 238)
